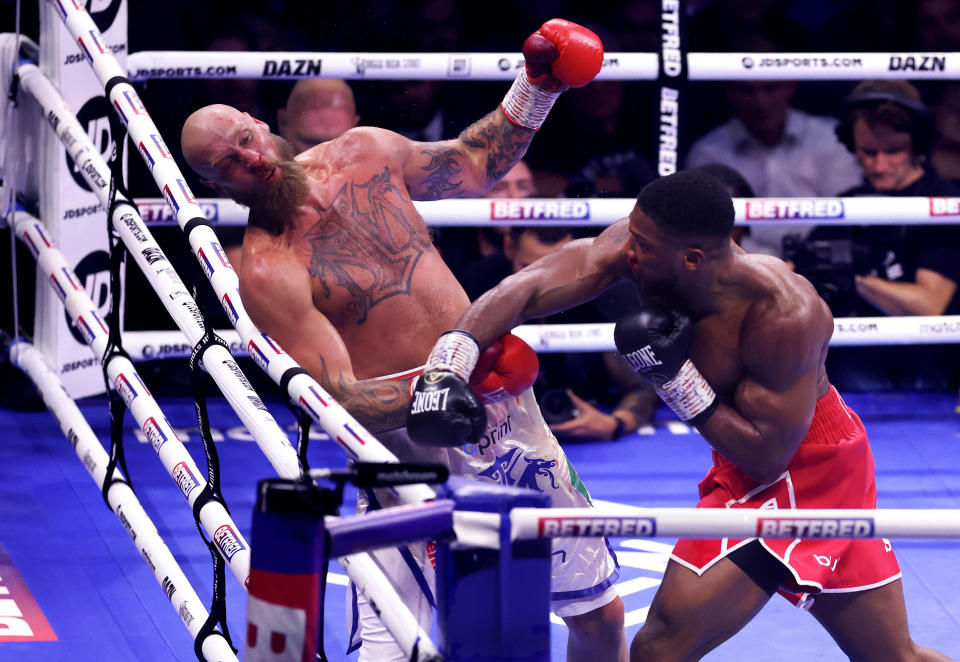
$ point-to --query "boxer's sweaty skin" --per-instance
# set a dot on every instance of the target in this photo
(380, 292)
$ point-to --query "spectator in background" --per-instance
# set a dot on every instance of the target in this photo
(462, 246)
(317, 110)
(737, 187)
(726, 25)
(892, 270)
(611, 383)
(779, 150)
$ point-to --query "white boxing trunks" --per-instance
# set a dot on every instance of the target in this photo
(518, 449)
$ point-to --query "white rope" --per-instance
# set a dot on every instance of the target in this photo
(123, 502)
(302, 389)
(173, 294)
(532, 523)
(125, 380)
(504, 66)
(275, 65)
(598, 337)
(601, 212)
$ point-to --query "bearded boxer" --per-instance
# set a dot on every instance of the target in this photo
(337, 266)
(735, 344)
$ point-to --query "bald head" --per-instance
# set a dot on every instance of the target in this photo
(203, 131)
(317, 110)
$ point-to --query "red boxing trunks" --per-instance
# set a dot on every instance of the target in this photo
(832, 468)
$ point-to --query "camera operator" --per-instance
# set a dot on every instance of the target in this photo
(612, 384)
(893, 270)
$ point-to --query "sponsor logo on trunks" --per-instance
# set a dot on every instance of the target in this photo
(549, 527)
(795, 208)
(918, 62)
(945, 206)
(859, 527)
(155, 212)
(671, 62)
(493, 434)
(228, 541)
(154, 434)
(186, 481)
(123, 387)
(642, 358)
(292, 68)
(669, 120)
(508, 210)
(502, 468)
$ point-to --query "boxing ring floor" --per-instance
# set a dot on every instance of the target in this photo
(77, 562)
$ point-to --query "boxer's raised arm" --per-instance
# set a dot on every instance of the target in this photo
(578, 272)
(558, 56)
(276, 294)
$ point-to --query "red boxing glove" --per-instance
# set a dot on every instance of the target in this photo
(571, 52)
(505, 369)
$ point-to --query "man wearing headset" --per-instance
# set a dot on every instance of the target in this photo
(895, 270)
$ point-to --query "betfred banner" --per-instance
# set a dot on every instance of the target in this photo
(69, 204)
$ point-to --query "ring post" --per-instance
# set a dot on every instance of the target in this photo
(494, 605)
(287, 570)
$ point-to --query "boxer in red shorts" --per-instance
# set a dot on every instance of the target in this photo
(735, 344)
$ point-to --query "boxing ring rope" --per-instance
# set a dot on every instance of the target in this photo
(126, 381)
(149, 65)
(218, 361)
(601, 212)
(121, 500)
(302, 389)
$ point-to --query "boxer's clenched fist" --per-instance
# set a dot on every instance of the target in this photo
(570, 53)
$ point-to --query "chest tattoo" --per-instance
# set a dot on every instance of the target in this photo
(366, 244)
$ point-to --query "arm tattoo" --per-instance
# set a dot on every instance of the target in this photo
(504, 141)
(443, 169)
(377, 405)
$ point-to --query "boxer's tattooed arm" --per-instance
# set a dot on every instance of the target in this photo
(493, 143)
(377, 405)
(444, 174)
(504, 142)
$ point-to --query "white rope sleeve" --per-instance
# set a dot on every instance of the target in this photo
(601, 212)
(126, 381)
(301, 388)
(532, 523)
(122, 501)
(147, 65)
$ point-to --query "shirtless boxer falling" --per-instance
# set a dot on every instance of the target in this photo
(338, 267)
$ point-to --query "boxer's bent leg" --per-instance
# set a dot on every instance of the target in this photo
(871, 625)
(691, 615)
(595, 627)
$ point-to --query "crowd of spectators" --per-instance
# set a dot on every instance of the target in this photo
(600, 140)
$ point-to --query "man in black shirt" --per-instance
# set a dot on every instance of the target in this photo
(892, 270)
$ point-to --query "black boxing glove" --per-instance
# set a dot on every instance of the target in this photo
(655, 342)
(444, 411)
